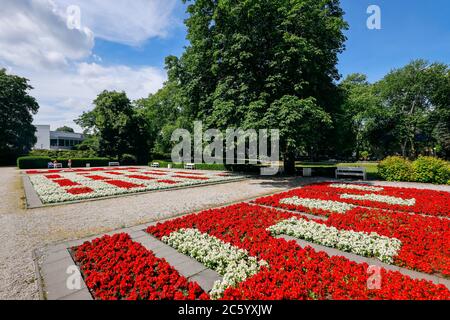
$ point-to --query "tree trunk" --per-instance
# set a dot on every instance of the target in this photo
(289, 163)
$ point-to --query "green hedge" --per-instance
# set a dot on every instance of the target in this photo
(424, 169)
(199, 166)
(63, 154)
(31, 162)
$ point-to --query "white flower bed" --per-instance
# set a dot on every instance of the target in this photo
(234, 264)
(51, 192)
(356, 187)
(360, 243)
(328, 205)
(380, 198)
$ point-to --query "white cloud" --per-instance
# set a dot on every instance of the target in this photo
(35, 42)
(129, 22)
(33, 34)
(63, 96)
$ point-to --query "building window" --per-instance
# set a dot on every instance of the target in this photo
(61, 143)
(53, 142)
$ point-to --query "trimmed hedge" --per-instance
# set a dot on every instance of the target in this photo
(33, 162)
(42, 162)
(199, 166)
(424, 169)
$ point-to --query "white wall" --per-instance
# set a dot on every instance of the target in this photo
(43, 137)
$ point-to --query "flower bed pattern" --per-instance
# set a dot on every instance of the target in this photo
(117, 268)
(293, 272)
(79, 184)
(427, 202)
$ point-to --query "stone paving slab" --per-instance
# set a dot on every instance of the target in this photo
(370, 261)
(32, 198)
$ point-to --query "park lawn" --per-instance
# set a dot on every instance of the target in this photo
(371, 167)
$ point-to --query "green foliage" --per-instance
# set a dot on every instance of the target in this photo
(34, 162)
(431, 170)
(17, 134)
(128, 159)
(117, 127)
(199, 166)
(395, 169)
(64, 154)
(253, 63)
(66, 129)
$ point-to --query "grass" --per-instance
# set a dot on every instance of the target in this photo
(371, 167)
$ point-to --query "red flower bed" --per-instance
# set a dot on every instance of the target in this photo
(123, 184)
(53, 176)
(140, 177)
(79, 190)
(116, 268)
(114, 172)
(168, 181)
(155, 173)
(190, 177)
(294, 272)
(66, 183)
(190, 173)
(428, 202)
(425, 240)
(97, 177)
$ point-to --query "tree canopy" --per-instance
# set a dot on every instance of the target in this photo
(17, 107)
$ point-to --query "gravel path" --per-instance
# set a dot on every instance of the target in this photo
(25, 230)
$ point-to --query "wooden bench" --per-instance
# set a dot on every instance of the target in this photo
(113, 164)
(351, 171)
(189, 166)
(155, 165)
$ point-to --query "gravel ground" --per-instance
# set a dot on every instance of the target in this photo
(25, 230)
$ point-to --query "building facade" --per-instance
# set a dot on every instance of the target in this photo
(56, 140)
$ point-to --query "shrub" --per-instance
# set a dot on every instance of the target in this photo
(395, 169)
(128, 159)
(200, 166)
(33, 162)
(431, 170)
(63, 154)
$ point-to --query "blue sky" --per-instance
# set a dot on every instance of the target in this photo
(121, 45)
(411, 29)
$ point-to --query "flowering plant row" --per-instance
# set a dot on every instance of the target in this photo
(232, 263)
(294, 272)
(361, 243)
(427, 202)
(117, 268)
(55, 187)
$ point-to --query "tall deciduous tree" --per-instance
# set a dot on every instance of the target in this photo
(17, 134)
(255, 60)
(119, 126)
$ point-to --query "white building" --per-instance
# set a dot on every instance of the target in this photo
(56, 140)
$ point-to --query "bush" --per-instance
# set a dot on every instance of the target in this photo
(200, 166)
(395, 169)
(431, 170)
(33, 162)
(128, 159)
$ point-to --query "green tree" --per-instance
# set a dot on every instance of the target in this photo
(66, 129)
(415, 101)
(247, 58)
(17, 107)
(119, 126)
